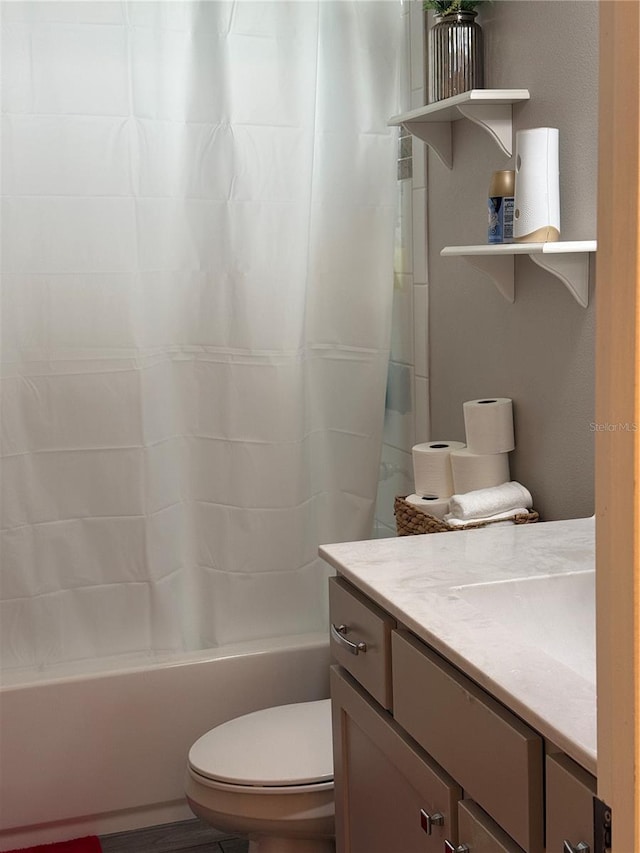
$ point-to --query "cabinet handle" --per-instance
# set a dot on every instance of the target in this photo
(451, 848)
(337, 633)
(428, 821)
(581, 847)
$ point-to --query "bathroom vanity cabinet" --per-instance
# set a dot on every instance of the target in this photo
(426, 759)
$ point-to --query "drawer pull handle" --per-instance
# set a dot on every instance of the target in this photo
(428, 821)
(581, 847)
(451, 848)
(337, 633)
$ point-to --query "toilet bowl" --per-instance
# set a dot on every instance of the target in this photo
(268, 776)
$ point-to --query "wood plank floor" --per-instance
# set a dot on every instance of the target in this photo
(190, 836)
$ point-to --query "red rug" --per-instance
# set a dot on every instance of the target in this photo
(79, 845)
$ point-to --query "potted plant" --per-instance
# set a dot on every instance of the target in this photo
(456, 49)
(448, 7)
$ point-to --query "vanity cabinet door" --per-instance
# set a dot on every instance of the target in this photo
(390, 796)
(570, 792)
(355, 620)
(477, 833)
(496, 758)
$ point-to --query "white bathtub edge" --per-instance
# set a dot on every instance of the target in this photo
(125, 821)
(87, 670)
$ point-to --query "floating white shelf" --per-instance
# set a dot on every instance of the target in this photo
(568, 261)
(490, 108)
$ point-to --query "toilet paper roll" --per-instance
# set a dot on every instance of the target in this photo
(488, 425)
(432, 467)
(473, 471)
(429, 504)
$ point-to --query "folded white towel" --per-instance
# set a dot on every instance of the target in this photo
(486, 502)
(496, 520)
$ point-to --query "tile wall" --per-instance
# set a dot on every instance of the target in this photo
(407, 405)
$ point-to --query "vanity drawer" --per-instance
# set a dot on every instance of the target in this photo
(570, 792)
(356, 620)
(496, 758)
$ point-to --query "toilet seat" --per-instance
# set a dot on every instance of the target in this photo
(214, 784)
(272, 751)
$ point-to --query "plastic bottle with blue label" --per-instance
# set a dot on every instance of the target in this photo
(500, 207)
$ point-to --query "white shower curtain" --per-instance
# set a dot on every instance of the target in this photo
(197, 236)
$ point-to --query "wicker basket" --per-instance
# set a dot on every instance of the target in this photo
(411, 521)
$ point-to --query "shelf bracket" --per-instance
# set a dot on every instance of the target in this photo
(437, 135)
(572, 270)
(496, 119)
(499, 268)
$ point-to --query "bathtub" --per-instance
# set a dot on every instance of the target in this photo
(105, 751)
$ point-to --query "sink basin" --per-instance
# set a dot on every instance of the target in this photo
(553, 613)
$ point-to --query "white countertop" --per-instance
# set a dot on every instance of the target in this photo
(513, 607)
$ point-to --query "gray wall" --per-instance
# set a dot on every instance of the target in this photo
(540, 350)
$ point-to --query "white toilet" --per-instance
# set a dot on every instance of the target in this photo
(268, 776)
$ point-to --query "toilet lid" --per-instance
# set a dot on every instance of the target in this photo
(285, 745)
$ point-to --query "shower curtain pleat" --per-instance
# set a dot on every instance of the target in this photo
(198, 212)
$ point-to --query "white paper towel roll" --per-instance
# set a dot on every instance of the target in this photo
(473, 471)
(429, 504)
(432, 467)
(488, 425)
